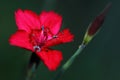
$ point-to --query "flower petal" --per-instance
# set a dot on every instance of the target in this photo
(27, 20)
(51, 20)
(51, 58)
(62, 37)
(21, 39)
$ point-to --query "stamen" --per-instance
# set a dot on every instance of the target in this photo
(42, 28)
(55, 36)
(36, 48)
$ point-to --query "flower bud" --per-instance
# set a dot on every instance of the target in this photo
(95, 25)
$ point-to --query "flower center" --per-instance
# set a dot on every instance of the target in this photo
(38, 38)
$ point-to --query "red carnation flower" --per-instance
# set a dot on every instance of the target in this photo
(38, 33)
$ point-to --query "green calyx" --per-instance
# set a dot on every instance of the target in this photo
(87, 38)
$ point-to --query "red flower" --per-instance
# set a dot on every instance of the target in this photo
(39, 32)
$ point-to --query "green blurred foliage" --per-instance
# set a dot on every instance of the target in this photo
(100, 60)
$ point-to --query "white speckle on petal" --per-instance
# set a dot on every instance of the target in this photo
(36, 48)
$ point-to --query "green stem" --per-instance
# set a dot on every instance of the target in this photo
(32, 66)
(31, 72)
(69, 62)
(72, 58)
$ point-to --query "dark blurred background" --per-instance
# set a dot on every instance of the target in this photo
(100, 60)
